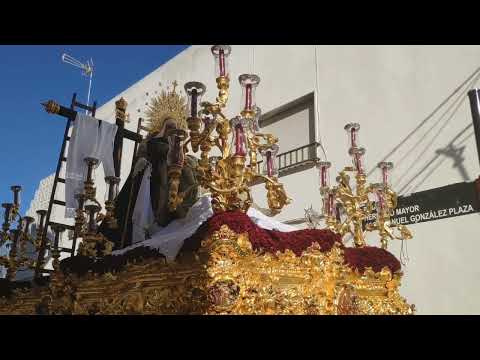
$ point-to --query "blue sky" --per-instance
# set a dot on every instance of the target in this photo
(30, 139)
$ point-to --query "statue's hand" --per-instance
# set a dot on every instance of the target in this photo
(140, 165)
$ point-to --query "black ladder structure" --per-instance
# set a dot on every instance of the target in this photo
(61, 159)
(70, 114)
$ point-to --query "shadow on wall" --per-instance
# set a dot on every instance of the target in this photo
(452, 151)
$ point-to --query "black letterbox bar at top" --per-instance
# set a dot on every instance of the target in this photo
(127, 134)
(474, 96)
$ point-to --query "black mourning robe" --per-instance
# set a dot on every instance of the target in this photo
(155, 151)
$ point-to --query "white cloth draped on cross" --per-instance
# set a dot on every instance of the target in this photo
(90, 138)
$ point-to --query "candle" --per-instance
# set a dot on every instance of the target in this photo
(221, 55)
(269, 156)
(26, 222)
(80, 197)
(41, 218)
(91, 208)
(255, 126)
(380, 202)
(358, 162)
(195, 90)
(385, 168)
(352, 131)
(16, 194)
(249, 84)
(269, 163)
(240, 149)
(112, 190)
(356, 154)
(323, 166)
(91, 163)
(331, 204)
(193, 112)
(248, 97)
(353, 136)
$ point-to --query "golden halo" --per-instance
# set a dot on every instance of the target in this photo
(167, 105)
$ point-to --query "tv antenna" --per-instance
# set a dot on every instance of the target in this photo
(87, 71)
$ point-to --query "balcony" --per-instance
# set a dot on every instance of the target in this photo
(293, 161)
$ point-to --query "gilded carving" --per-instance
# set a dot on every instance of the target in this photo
(225, 277)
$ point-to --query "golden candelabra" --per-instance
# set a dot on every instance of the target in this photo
(238, 140)
(347, 207)
(88, 214)
(16, 239)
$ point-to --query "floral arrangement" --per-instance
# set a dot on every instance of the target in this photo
(298, 241)
(262, 240)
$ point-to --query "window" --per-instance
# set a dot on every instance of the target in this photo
(294, 125)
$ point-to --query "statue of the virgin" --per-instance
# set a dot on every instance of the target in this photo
(143, 202)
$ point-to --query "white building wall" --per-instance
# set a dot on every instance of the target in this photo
(390, 91)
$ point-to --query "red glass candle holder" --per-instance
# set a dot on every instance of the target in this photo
(269, 156)
(357, 159)
(221, 54)
(239, 126)
(255, 123)
(249, 84)
(330, 208)
(380, 201)
(385, 172)
(324, 176)
(195, 90)
(352, 130)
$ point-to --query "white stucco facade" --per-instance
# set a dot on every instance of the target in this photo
(392, 92)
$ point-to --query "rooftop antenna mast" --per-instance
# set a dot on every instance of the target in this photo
(87, 71)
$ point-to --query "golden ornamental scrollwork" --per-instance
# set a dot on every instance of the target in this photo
(229, 175)
(226, 277)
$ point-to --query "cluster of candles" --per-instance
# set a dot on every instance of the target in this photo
(86, 199)
(247, 122)
(380, 189)
(86, 203)
(11, 212)
(357, 153)
(17, 237)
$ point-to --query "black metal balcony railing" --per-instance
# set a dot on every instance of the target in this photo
(295, 160)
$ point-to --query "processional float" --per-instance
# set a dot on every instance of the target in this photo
(237, 267)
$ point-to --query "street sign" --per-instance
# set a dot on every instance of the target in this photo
(435, 204)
